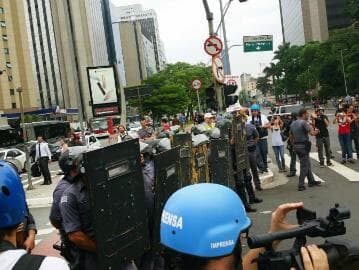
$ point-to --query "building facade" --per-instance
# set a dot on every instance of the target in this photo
(81, 43)
(43, 52)
(15, 64)
(304, 21)
(337, 17)
(149, 28)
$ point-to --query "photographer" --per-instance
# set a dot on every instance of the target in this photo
(321, 122)
(216, 243)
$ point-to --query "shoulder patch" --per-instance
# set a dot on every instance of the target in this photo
(63, 199)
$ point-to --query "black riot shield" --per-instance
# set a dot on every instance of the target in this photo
(220, 164)
(117, 203)
(184, 141)
(240, 142)
(200, 168)
(167, 171)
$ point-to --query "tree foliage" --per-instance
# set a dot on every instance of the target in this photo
(173, 92)
(317, 66)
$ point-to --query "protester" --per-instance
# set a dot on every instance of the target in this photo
(288, 120)
(344, 121)
(278, 143)
(122, 134)
(321, 122)
(43, 157)
(208, 123)
(146, 132)
(354, 126)
(299, 135)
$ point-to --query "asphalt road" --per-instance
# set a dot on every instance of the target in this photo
(337, 188)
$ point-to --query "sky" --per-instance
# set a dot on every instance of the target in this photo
(184, 28)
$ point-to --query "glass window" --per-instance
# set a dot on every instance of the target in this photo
(6, 50)
(13, 105)
(4, 37)
(2, 10)
(2, 24)
(8, 65)
(12, 92)
(2, 155)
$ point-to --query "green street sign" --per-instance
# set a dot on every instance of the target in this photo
(258, 43)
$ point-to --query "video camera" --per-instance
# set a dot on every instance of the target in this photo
(341, 254)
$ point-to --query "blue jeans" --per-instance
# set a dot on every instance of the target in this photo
(279, 156)
(346, 145)
(262, 152)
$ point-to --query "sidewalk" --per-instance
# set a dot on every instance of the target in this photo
(273, 178)
(41, 196)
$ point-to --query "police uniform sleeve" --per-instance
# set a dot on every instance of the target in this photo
(69, 212)
(31, 225)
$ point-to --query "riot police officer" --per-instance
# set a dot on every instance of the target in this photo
(12, 213)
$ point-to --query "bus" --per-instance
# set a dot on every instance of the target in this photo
(51, 130)
(9, 136)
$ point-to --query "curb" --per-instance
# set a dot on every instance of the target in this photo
(39, 202)
(272, 180)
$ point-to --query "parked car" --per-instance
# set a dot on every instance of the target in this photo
(284, 110)
(14, 156)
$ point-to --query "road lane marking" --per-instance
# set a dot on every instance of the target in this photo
(348, 173)
(45, 231)
(297, 166)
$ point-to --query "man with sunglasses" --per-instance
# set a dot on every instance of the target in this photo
(205, 223)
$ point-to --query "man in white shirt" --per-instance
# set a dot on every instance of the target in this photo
(43, 157)
(12, 212)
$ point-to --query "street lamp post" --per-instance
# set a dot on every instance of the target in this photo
(344, 74)
(227, 65)
(30, 186)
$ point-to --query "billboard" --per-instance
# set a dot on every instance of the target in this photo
(103, 91)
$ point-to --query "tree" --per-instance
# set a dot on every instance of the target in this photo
(173, 92)
(352, 8)
(264, 85)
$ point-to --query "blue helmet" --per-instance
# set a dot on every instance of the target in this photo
(255, 107)
(203, 220)
(12, 197)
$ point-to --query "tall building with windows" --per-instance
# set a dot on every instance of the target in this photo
(337, 16)
(149, 28)
(43, 53)
(15, 64)
(304, 21)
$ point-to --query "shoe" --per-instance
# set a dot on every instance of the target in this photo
(259, 188)
(315, 183)
(332, 157)
(292, 174)
(45, 184)
(255, 200)
(249, 209)
(329, 164)
(321, 165)
(284, 170)
(260, 171)
(343, 161)
(265, 170)
(301, 188)
(351, 161)
(281, 170)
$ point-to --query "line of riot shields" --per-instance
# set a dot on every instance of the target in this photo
(116, 187)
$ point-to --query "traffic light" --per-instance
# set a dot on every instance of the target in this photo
(228, 91)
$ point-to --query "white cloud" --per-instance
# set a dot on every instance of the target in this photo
(183, 29)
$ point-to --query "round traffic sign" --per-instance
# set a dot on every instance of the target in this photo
(213, 45)
(196, 84)
(218, 69)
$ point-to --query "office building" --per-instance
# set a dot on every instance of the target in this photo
(81, 43)
(43, 53)
(304, 21)
(336, 14)
(16, 69)
(149, 28)
(134, 52)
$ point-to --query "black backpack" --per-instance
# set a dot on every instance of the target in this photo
(29, 262)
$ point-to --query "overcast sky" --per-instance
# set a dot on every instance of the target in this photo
(183, 29)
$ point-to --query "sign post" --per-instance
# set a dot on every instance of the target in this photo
(258, 43)
(196, 85)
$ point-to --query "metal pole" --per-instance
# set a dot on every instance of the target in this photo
(345, 79)
(29, 180)
(209, 16)
(199, 104)
(227, 66)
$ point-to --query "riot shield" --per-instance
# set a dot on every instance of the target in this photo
(240, 142)
(220, 164)
(167, 171)
(184, 141)
(200, 168)
(117, 203)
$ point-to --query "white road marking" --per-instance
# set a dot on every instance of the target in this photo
(266, 212)
(37, 241)
(45, 231)
(297, 166)
(348, 173)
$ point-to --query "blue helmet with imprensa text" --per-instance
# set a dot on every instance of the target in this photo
(12, 197)
(203, 220)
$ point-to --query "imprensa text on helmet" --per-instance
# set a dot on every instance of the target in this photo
(172, 220)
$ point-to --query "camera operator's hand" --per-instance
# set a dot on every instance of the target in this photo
(314, 258)
(279, 222)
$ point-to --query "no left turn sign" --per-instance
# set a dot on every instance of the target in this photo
(196, 84)
(213, 45)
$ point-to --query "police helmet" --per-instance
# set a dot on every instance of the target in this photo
(72, 158)
(12, 197)
(203, 220)
(255, 107)
(215, 133)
